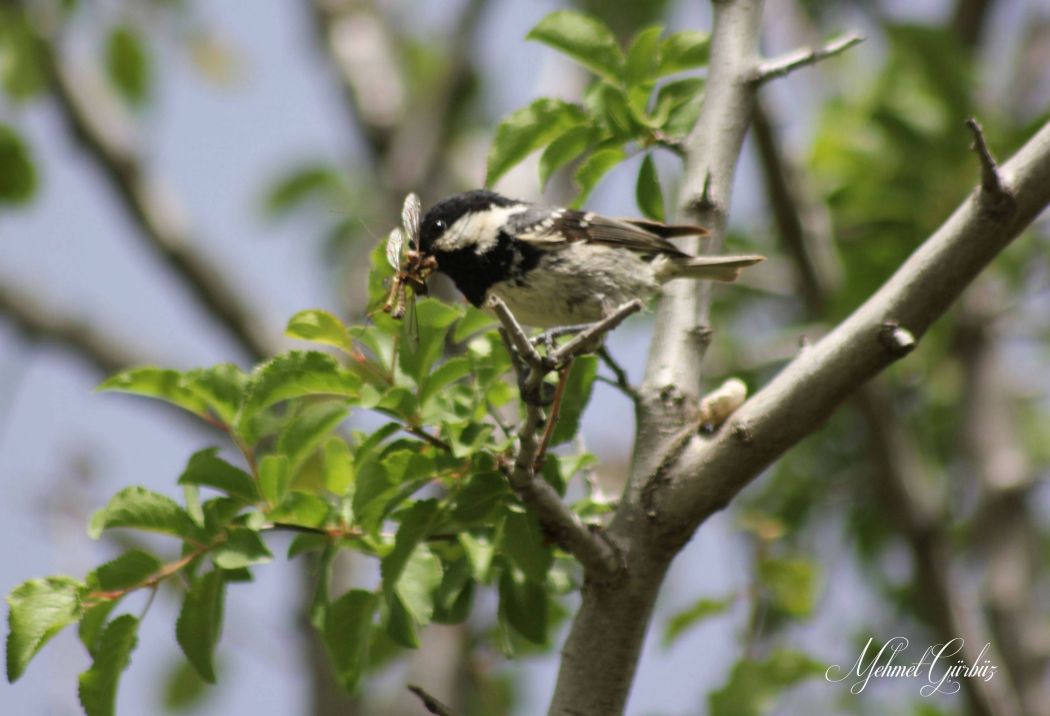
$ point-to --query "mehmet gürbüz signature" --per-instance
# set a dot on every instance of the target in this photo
(940, 669)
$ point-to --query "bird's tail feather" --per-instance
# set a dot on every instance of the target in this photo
(715, 268)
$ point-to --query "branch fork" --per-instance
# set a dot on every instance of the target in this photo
(596, 553)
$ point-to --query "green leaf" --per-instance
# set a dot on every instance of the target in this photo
(683, 51)
(320, 327)
(207, 468)
(419, 579)
(221, 387)
(309, 429)
(524, 543)
(140, 508)
(528, 129)
(200, 622)
(127, 570)
(159, 383)
(274, 477)
(415, 523)
(792, 583)
(183, 689)
(477, 499)
(399, 624)
(243, 548)
(593, 169)
(479, 553)
(128, 64)
(320, 182)
(570, 145)
(447, 373)
(678, 106)
(98, 685)
(583, 38)
(523, 605)
(17, 172)
(754, 685)
(22, 72)
(679, 623)
(347, 634)
(294, 375)
(643, 56)
(434, 318)
(93, 622)
(301, 508)
(455, 594)
(39, 609)
(649, 195)
(578, 387)
(473, 320)
(338, 466)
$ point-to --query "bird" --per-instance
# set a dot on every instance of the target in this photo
(554, 266)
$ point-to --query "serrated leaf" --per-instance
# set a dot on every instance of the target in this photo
(479, 553)
(91, 624)
(242, 548)
(127, 570)
(200, 622)
(754, 685)
(294, 375)
(415, 523)
(207, 468)
(39, 609)
(526, 130)
(141, 508)
(455, 594)
(433, 317)
(679, 623)
(98, 685)
(447, 373)
(338, 467)
(128, 64)
(578, 386)
(524, 543)
(274, 477)
(320, 327)
(593, 169)
(303, 509)
(585, 39)
(678, 106)
(221, 387)
(309, 429)
(18, 179)
(399, 624)
(523, 605)
(415, 586)
(683, 51)
(479, 497)
(473, 321)
(643, 56)
(570, 145)
(648, 194)
(347, 634)
(159, 383)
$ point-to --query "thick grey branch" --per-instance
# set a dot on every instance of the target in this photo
(161, 226)
(996, 195)
(805, 393)
(787, 63)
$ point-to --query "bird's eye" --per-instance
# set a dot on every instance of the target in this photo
(440, 225)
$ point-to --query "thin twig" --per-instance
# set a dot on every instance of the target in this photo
(429, 702)
(622, 381)
(791, 61)
(552, 419)
(999, 198)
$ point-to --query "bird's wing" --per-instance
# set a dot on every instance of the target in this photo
(561, 227)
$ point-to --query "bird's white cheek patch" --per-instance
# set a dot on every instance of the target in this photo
(477, 230)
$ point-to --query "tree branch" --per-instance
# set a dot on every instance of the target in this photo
(788, 63)
(162, 226)
(808, 390)
(596, 554)
(104, 353)
(430, 703)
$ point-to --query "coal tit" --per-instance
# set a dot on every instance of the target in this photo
(558, 267)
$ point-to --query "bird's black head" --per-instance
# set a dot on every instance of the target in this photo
(448, 211)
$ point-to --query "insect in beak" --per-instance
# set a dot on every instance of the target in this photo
(413, 268)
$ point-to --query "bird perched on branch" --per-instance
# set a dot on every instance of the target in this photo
(558, 267)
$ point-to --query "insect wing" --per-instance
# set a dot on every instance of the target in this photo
(394, 244)
(411, 321)
(411, 216)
